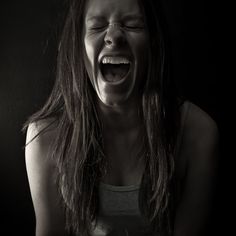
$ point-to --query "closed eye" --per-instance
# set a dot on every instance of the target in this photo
(134, 28)
(134, 24)
(96, 23)
(97, 27)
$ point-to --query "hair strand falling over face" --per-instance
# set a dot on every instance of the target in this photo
(79, 150)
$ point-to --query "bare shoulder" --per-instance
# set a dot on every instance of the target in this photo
(200, 142)
(39, 139)
(41, 175)
(198, 119)
(199, 150)
(41, 132)
(200, 130)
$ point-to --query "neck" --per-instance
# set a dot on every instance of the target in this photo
(123, 141)
(122, 118)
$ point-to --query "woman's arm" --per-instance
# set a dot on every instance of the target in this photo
(200, 149)
(40, 171)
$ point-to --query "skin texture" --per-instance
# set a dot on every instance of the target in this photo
(115, 28)
(41, 170)
(118, 110)
(196, 165)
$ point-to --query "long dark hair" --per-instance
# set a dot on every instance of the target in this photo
(78, 147)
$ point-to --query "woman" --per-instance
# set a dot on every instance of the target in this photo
(114, 151)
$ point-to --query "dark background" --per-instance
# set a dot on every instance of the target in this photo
(27, 52)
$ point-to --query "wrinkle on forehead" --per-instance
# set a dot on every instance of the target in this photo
(112, 8)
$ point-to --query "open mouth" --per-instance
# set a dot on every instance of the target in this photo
(114, 69)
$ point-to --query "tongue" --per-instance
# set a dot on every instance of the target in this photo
(113, 73)
(112, 77)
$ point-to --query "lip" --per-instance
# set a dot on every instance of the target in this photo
(115, 55)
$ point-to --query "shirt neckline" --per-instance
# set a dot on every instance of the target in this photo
(119, 188)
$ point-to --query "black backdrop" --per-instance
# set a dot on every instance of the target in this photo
(27, 49)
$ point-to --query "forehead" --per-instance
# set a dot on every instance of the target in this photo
(112, 8)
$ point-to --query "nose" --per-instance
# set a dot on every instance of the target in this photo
(114, 35)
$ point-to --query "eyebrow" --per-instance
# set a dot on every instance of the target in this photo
(127, 17)
(99, 18)
(133, 17)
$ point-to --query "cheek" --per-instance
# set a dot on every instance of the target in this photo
(92, 44)
(89, 50)
(90, 56)
(141, 49)
(139, 45)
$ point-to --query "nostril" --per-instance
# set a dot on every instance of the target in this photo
(108, 41)
(113, 37)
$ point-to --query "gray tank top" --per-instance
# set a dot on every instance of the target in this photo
(119, 212)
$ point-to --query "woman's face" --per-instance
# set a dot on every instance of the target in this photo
(116, 49)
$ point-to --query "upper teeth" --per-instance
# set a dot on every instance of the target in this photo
(115, 60)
